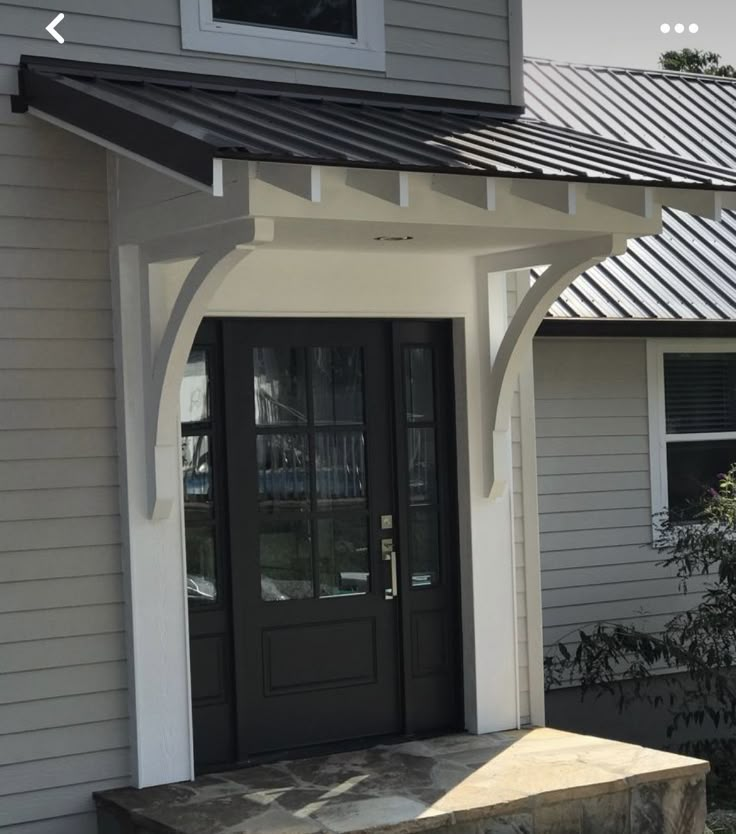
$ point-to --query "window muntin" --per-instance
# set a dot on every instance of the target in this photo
(327, 17)
(700, 424)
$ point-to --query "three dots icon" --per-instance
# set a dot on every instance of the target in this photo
(678, 28)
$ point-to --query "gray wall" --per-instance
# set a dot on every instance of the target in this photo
(63, 699)
(594, 499)
(457, 49)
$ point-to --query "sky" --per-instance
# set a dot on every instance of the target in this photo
(626, 32)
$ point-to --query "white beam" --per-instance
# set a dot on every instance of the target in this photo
(707, 204)
(391, 186)
(633, 199)
(559, 196)
(303, 180)
(474, 190)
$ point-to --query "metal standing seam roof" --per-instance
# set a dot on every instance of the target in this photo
(184, 124)
(688, 272)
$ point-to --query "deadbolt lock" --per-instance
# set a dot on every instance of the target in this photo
(387, 522)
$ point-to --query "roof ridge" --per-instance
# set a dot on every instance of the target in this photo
(688, 76)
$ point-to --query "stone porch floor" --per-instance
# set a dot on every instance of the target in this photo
(538, 781)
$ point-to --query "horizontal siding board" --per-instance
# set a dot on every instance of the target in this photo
(61, 651)
(28, 172)
(575, 615)
(593, 575)
(63, 741)
(41, 444)
(66, 473)
(60, 622)
(407, 19)
(621, 556)
(591, 426)
(598, 501)
(588, 464)
(57, 802)
(584, 407)
(54, 266)
(58, 563)
(68, 711)
(28, 293)
(588, 539)
(54, 234)
(71, 824)
(481, 47)
(44, 594)
(583, 446)
(51, 203)
(58, 354)
(594, 520)
(55, 324)
(59, 503)
(41, 140)
(59, 532)
(591, 483)
(55, 683)
(17, 415)
(635, 594)
(568, 633)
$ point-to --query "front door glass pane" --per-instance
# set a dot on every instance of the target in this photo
(340, 469)
(337, 379)
(285, 550)
(424, 547)
(331, 17)
(280, 386)
(419, 384)
(344, 563)
(283, 471)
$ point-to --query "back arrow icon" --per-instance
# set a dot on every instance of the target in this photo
(51, 28)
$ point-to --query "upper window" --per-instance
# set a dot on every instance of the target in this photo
(692, 421)
(330, 17)
(343, 33)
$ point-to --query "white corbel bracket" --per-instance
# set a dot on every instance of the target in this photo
(168, 357)
(566, 262)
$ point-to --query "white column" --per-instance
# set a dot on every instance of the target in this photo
(155, 574)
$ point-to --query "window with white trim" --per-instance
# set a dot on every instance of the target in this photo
(337, 33)
(692, 402)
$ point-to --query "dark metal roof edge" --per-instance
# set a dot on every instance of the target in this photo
(641, 328)
(85, 69)
(171, 148)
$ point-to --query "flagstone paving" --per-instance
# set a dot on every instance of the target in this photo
(538, 781)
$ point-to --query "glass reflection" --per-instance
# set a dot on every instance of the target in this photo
(285, 553)
(283, 471)
(419, 384)
(340, 468)
(424, 551)
(279, 386)
(344, 564)
(337, 385)
(195, 461)
(422, 466)
(194, 402)
(201, 562)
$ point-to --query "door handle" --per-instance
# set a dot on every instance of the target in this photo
(389, 555)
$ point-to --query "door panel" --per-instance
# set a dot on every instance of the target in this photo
(309, 477)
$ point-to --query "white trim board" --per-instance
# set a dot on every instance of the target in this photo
(201, 32)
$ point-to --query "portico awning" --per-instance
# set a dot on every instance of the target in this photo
(185, 123)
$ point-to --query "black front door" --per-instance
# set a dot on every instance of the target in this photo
(337, 554)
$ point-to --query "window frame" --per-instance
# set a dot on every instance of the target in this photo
(658, 436)
(200, 32)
